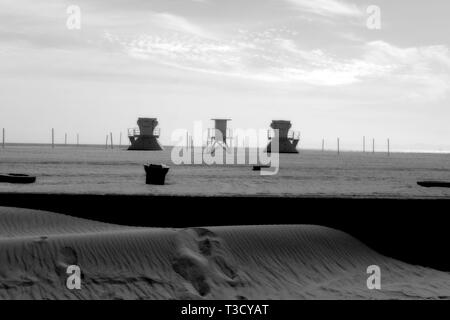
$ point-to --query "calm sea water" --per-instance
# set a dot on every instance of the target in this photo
(93, 169)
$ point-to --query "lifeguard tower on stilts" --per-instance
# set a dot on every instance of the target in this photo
(219, 137)
(146, 136)
(287, 139)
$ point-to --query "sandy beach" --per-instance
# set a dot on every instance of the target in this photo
(94, 170)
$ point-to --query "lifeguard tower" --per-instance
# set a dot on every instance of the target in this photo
(219, 136)
(287, 139)
(145, 137)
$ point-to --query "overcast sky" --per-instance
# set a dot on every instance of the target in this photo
(313, 62)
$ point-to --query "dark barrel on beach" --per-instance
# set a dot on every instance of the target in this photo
(155, 173)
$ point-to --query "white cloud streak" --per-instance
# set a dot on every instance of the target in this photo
(178, 24)
(327, 7)
(273, 56)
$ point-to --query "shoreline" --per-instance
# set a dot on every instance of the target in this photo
(124, 147)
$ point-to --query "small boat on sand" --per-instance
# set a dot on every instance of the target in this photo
(434, 184)
(17, 178)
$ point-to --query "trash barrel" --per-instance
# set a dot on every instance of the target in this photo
(155, 173)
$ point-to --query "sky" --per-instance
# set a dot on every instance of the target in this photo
(313, 62)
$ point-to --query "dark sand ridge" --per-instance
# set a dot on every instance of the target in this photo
(254, 262)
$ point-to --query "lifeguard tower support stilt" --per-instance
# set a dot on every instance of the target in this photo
(146, 136)
(220, 136)
(287, 139)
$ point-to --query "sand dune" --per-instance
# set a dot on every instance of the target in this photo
(248, 262)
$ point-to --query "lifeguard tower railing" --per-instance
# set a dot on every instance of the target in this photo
(135, 132)
(292, 135)
(212, 134)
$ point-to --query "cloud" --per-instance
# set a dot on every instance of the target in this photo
(264, 56)
(177, 23)
(327, 7)
(416, 57)
(273, 56)
(423, 72)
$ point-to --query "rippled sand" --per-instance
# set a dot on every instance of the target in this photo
(251, 262)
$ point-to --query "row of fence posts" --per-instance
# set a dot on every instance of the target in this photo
(363, 146)
(109, 139)
(109, 144)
